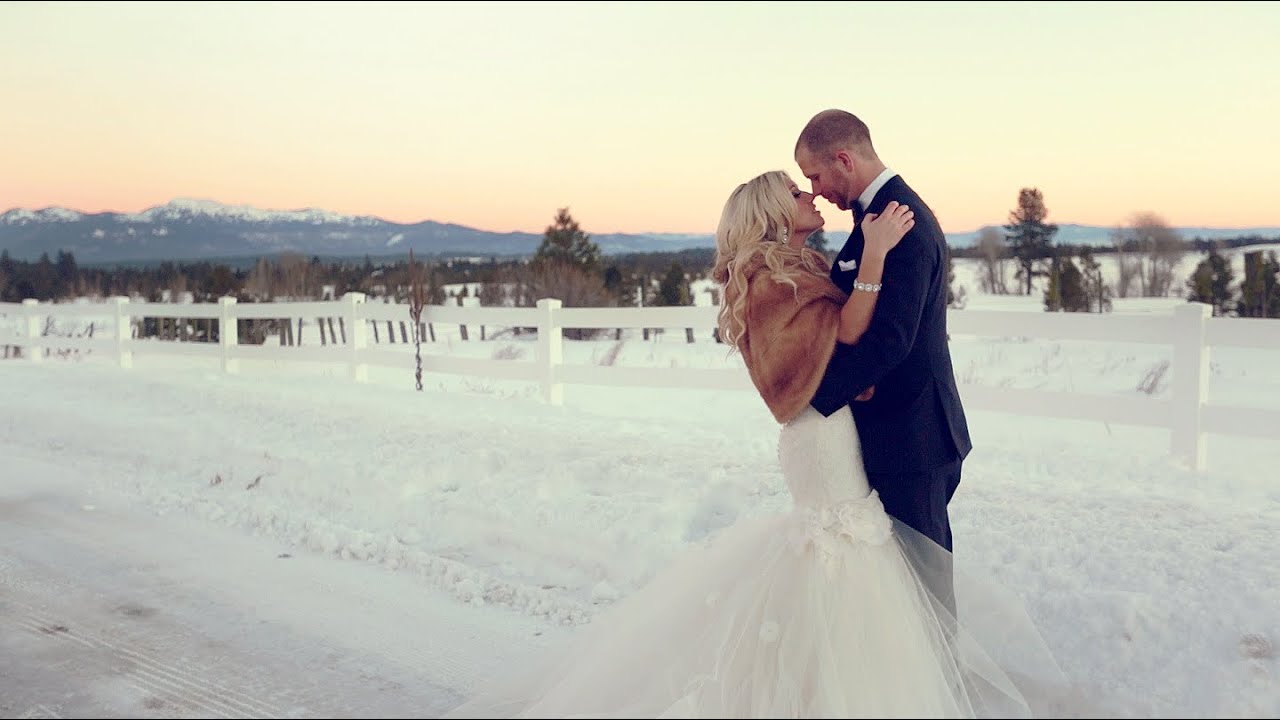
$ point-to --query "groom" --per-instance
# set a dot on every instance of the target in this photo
(913, 430)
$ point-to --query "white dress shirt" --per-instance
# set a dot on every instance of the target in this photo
(864, 200)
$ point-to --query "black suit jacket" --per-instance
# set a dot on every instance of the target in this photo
(914, 421)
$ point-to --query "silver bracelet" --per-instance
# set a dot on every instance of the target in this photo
(867, 287)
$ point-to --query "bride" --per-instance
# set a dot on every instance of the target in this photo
(827, 610)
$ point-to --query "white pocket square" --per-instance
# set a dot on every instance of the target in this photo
(847, 265)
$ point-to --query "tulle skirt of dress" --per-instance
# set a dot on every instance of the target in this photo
(824, 611)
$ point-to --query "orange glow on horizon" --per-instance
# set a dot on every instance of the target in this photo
(495, 115)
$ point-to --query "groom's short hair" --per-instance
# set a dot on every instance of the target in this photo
(833, 129)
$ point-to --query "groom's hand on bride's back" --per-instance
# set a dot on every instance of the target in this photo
(865, 395)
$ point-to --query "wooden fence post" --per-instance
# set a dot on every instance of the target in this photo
(31, 329)
(124, 332)
(228, 333)
(359, 337)
(1190, 383)
(550, 350)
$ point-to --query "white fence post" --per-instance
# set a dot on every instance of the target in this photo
(228, 334)
(550, 350)
(31, 309)
(124, 333)
(359, 336)
(1190, 383)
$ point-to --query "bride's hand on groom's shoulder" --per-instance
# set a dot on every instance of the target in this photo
(865, 395)
(882, 231)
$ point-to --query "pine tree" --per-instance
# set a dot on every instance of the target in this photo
(613, 281)
(674, 288)
(1030, 238)
(43, 279)
(565, 242)
(1066, 291)
(1053, 292)
(220, 282)
(1210, 283)
(1260, 290)
(1096, 290)
(1071, 287)
(66, 274)
(8, 272)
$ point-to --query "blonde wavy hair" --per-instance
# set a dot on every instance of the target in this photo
(757, 218)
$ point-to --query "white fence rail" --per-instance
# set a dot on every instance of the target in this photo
(1189, 330)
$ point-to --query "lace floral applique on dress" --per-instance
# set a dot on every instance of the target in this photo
(827, 527)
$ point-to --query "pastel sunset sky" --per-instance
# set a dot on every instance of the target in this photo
(638, 117)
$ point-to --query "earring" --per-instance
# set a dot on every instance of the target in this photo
(785, 234)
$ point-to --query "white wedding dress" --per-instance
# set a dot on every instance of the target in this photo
(823, 611)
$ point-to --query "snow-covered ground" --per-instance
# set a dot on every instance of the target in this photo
(111, 607)
(284, 542)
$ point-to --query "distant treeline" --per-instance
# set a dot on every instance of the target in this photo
(568, 265)
(626, 279)
(1196, 244)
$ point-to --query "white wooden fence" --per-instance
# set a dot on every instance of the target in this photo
(1190, 330)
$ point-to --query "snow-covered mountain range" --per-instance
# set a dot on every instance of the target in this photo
(191, 229)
